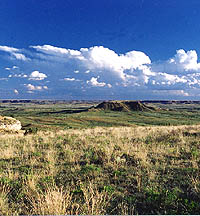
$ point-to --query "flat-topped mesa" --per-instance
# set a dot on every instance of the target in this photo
(9, 124)
(124, 106)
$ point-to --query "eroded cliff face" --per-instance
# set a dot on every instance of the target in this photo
(9, 124)
(126, 106)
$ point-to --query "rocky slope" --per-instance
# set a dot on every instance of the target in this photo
(124, 106)
(9, 124)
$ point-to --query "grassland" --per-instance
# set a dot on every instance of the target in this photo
(65, 116)
(100, 162)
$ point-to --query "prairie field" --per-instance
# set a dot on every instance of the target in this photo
(94, 163)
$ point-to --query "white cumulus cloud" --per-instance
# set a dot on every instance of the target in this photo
(94, 82)
(16, 91)
(13, 67)
(31, 87)
(20, 56)
(52, 50)
(69, 79)
(9, 49)
(97, 58)
(99, 66)
(183, 62)
(186, 60)
(14, 52)
(36, 75)
(20, 75)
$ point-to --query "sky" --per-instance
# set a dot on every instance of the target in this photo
(100, 49)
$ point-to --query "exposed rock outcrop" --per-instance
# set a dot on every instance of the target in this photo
(9, 124)
(124, 106)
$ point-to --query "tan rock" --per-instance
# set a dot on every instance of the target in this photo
(9, 124)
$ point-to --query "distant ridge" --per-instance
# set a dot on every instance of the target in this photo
(126, 106)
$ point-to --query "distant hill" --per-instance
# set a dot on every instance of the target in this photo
(126, 106)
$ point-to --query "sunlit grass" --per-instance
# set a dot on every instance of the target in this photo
(60, 116)
(101, 170)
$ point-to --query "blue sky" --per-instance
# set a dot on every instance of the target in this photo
(100, 49)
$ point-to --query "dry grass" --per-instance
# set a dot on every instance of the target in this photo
(51, 202)
(4, 205)
(124, 170)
